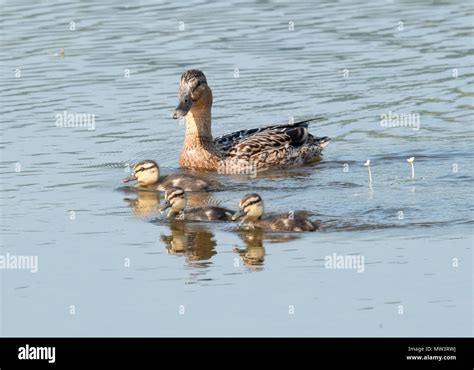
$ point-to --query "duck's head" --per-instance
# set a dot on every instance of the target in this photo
(145, 173)
(251, 206)
(175, 198)
(193, 94)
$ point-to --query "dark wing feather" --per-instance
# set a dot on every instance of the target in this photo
(269, 145)
(226, 142)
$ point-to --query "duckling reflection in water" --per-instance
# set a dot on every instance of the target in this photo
(195, 241)
(254, 252)
(146, 203)
(176, 200)
(147, 175)
(251, 212)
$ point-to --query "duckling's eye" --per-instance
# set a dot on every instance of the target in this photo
(144, 168)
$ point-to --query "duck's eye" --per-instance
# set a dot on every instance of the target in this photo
(197, 85)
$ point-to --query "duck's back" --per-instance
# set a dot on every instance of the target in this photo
(272, 146)
(188, 182)
(286, 222)
(208, 213)
(226, 142)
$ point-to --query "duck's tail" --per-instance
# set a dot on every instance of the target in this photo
(307, 121)
(322, 142)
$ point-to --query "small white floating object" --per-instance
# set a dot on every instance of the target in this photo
(411, 160)
(367, 164)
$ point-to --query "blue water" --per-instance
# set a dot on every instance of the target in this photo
(107, 269)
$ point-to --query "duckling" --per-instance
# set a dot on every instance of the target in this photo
(175, 198)
(262, 148)
(147, 174)
(251, 209)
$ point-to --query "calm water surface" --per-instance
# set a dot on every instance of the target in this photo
(114, 267)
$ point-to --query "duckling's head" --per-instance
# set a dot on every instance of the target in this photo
(145, 173)
(251, 206)
(175, 198)
(193, 94)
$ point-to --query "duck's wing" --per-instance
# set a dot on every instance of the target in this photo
(188, 182)
(226, 142)
(270, 146)
(296, 223)
(209, 213)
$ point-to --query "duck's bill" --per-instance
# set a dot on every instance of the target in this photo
(183, 107)
(164, 206)
(237, 215)
(129, 178)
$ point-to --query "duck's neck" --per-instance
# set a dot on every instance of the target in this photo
(198, 125)
(252, 219)
(198, 149)
(251, 222)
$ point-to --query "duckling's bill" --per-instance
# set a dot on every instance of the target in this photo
(164, 207)
(129, 178)
(237, 215)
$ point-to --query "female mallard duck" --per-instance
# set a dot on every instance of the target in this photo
(175, 198)
(251, 209)
(147, 175)
(260, 148)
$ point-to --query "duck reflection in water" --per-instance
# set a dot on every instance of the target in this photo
(146, 203)
(253, 255)
(195, 241)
